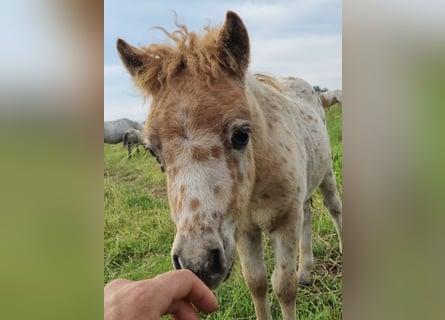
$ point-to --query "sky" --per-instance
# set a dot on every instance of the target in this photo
(287, 38)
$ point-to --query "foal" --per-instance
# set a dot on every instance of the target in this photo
(241, 158)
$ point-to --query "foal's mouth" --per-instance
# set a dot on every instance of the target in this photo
(213, 281)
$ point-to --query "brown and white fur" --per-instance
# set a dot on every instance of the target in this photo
(241, 158)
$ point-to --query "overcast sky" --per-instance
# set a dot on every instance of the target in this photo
(287, 38)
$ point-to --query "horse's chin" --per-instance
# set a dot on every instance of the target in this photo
(214, 283)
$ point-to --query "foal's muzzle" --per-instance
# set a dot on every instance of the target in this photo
(210, 266)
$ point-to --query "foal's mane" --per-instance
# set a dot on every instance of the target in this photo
(198, 53)
(268, 80)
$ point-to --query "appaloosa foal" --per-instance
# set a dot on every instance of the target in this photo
(241, 157)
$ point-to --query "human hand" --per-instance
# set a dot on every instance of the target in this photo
(177, 293)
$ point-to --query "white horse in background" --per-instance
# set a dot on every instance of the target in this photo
(329, 98)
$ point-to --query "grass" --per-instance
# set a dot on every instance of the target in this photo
(138, 235)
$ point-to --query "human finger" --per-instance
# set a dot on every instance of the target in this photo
(182, 310)
(184, 284)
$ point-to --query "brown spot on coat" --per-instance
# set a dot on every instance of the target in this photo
(216, 152)
(200, 154)
(194, 204)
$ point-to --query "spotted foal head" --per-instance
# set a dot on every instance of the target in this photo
(199, 129)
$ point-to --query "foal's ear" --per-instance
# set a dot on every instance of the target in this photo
(234, 45)
(131, 57)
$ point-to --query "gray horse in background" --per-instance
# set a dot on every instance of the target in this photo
(114, 130)
(132, 138)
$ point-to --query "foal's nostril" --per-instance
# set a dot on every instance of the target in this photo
(215, 262)
(176, 262)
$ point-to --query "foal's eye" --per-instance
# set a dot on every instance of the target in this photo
(240, 138)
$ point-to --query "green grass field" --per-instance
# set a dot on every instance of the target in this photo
(138, 235)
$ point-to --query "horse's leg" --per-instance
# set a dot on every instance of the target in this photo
(332, 201)
(284, 278)
(250, 250)
(306, 259)
(129, 150)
